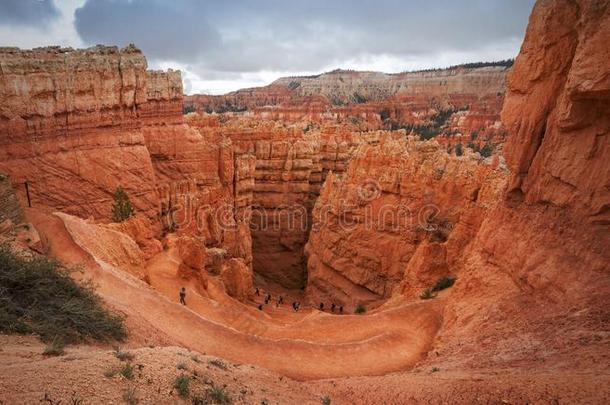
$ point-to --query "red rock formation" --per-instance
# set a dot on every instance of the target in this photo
(535, 284)
(237, 279)
(239, 100)
(557, 110)
(69, 127)
(396, 221)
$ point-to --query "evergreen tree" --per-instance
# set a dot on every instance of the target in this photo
(459, 150)
(121, 208)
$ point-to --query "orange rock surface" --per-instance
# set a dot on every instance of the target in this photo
(70, 127)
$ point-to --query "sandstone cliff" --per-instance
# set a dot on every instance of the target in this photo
(345, 86)
(69, 127)
(75, 124)
(396, 221)
(536, 281)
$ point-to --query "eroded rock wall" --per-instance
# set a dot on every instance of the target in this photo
(75, 124)
(539, 269)
(69, 127)
(397, 220)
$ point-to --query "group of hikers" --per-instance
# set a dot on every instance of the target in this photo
(296, 305)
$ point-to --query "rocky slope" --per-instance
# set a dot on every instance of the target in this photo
(554, 215)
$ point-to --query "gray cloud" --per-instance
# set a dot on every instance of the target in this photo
(212, 38)
(27, 12)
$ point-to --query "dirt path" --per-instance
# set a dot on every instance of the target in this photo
(307, 345)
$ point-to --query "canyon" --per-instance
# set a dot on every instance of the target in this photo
(360, 191)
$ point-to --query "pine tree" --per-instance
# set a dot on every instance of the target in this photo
(458, 150)
(121, 208)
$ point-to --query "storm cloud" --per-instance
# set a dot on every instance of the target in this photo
(223, 45)
(27, 12)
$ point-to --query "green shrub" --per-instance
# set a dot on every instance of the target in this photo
(435, 369)
(486, 151)
(121, 207)
(360, 309)
(181, 383)
(182, 366)
(195, 358)
(127, 371)
(443, 282)
(326, 400)
(427, 294)
(219, 395)
(38, 296)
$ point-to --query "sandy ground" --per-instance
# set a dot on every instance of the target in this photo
(26, 376)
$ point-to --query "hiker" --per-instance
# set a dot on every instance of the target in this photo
(257, 292)
(280, 300)
(332, 307)
(341, 309)
(321, 306)
(182, 296)
(260, 307)
(269, 297)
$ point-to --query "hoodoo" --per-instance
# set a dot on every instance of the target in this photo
(441, 234)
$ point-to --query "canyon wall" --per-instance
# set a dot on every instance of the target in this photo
(76, 124)
(540, 262)
(397, 220)
(557, 111)
(288, 165)
(199, 181)
(346, 86)
(69, 127)
(10, 209)
(527, 241)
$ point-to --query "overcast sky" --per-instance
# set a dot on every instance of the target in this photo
(224, 45)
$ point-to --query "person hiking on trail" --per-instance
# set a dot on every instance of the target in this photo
(260, 307)
(182, 296)
(280, 300)
(257, 292)
(341, 309)
(321, 306)
(332, 307)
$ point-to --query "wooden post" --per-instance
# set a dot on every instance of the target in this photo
(27, 192)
